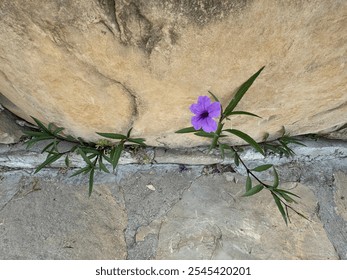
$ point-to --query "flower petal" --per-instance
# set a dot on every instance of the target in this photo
(208, 125)
(214, 110)
(196, 122)
(195, 109)
(204, 102)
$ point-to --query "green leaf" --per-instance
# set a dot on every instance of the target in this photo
(248, 183)
(261, 168)
(236, 159)
(287, 192)
(84, 156)
(253, 190)
(112, 136)
(116, 155)
(186, 130)
(202, 133)
(82, 170)
(246, 138)
(243, 113)
(33, 141)
(280, 207)
(139, 141)
(107, 158)
(58, 130)
(102, 165)
(91, 181)
(286, 197)
(276, 179)
(48, 161)
(129, 132)
(34, 133)
(240, 93)
(41, 125)
(214, 97)
(67, 161)
(47, 147)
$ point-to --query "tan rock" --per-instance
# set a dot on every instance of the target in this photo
(212, 221)
(110, 65)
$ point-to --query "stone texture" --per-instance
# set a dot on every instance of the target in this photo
(111, 65)
(47, 218)
(341, 194)
(211, 221)
(10, 131)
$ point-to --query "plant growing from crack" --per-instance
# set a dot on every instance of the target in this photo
(204, 125)
(94, 154)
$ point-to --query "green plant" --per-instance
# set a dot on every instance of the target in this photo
(95, 155)
(205, 126)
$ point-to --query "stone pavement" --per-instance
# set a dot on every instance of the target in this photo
(158, 206)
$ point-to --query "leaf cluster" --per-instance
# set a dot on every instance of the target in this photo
(95, 155)
(282, 198)
(281, 146)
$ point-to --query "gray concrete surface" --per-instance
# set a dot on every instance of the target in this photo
(172, 204)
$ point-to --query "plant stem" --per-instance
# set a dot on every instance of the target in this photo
(218, 132)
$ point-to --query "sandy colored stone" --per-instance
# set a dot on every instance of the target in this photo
(212, 221)
(48, 219)
(110, 65)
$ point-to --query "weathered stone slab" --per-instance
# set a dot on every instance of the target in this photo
(212, 221)
(94, 66)
(49, 218)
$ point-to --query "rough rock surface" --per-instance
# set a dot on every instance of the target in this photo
(47, 218)
(106, 65)
(173, 211)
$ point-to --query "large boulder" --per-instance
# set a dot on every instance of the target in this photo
(105, 65)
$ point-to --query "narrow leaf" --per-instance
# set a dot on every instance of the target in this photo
(58, 130)
(214, 97)
(202, 133)
(129, 132)
(246, 138)
(248, 184)
(47, 147)
(67, 161)
(287, 192)
(34, 133)
(261, 168)
(186, 130)
(280, 207)
(48, 161)
(116, 155)
(139, 141)
(276, 179)
(41, 125)
(240, 93)
(287, 197)
(243, 113)
(253, 190)
(102, 165)
(84, 156)
(91, 181)
(81, 170)
(112, 136)
(236, 159)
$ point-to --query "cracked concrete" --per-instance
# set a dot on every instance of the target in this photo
(167, 210)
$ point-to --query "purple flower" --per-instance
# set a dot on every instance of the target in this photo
(204, 112)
